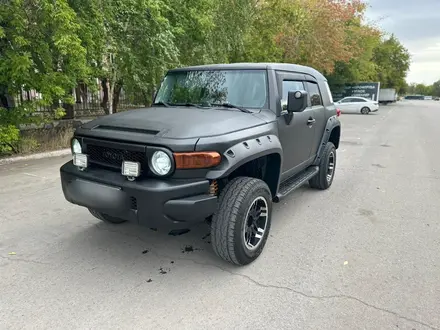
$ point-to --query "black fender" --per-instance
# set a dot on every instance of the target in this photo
(332, 123)
(246, 151)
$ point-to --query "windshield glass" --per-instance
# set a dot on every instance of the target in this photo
(244, 88)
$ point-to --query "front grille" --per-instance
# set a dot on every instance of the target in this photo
(113, 157)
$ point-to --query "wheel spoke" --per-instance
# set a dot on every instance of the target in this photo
(255, 225)
(330, 167)
(259, 234)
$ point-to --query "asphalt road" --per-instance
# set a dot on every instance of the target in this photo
(362, 255)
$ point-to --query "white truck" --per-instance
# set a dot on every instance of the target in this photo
(387, 95)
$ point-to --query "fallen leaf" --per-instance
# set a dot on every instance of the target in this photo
(345, 263)
(12, 253)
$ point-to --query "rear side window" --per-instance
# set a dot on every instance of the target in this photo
(359, 100)
(315, 95)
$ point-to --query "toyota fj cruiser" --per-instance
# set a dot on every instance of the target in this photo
(220, 144)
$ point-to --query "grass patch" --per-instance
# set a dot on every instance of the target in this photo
(41, 140)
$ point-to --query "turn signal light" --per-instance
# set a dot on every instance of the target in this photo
(194, 160)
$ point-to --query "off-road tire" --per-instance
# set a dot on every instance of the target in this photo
(106, 218)
(320, 181)
(365, 110)
(228, 222)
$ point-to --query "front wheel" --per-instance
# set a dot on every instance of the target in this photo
(240, 227)
(106, 218)
(324, 179)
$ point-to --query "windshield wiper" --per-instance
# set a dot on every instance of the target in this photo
(162, 103)
(187, 104)
(232, 106)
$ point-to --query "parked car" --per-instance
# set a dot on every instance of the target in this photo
(357, 104)
(217, 146)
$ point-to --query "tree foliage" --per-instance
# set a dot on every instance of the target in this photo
(422, 89)
(393, 62)
(436, 88)
(40, 49)
(50, 46)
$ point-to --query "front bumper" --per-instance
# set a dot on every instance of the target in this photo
(173, 204)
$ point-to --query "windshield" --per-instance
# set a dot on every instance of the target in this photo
(244, 88)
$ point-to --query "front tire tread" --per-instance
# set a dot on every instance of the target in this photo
(224, 222)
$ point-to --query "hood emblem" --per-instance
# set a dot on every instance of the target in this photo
(115, 155)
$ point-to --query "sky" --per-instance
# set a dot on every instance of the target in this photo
(416, 23)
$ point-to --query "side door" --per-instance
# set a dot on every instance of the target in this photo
(358, 104)
(347, 105)
(296, 131)
(319, 115)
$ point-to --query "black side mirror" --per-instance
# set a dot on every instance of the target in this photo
(296, 101)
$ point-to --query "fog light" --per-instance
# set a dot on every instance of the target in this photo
(81, 160)
(131, 169)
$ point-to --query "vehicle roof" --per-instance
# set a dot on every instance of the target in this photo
(256, 66)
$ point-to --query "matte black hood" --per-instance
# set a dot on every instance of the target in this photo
(177, 122)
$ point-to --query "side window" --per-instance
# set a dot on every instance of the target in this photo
(290, 86)
(347, 101)
(358, 100)
(315, 95)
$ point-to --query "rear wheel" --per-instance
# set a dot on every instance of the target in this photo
(365, 110)
(106, 218)
(240, 227)
(324, 179)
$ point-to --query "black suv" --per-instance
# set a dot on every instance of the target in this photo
(221, 143)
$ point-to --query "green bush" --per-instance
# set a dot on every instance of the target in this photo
(9, 137)
(10, 121)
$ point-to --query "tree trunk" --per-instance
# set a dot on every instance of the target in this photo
(69, 108)
(78, 93)
(110, 97)
(4, 102)
(104, 103)
(84, 93)
(116, 96)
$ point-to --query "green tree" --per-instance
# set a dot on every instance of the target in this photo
(192, 24)
(393, 62)
(436, 88)
(423, 89)
(40, 49)
(130, 44)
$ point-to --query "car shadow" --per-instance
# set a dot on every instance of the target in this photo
(128, 245)
(142, 240)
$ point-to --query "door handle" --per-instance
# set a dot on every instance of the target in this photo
(311, 121)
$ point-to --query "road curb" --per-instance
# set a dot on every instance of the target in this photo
(56, 153)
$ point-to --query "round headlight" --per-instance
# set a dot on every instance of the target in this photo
(76, 147)
(160, 163)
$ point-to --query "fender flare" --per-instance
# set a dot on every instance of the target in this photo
(246, 151)
(332, 123)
